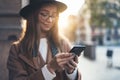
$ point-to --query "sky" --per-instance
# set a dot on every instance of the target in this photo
(73, 7)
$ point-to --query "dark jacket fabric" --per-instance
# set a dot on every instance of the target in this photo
(23, 67)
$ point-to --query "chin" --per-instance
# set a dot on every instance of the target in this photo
(46, 30)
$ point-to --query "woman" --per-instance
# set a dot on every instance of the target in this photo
(41, 53)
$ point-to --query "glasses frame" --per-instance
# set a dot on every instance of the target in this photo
(46, 16)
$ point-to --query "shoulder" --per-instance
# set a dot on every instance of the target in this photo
(64, 40)
(14, 45)
(65, 44)
(14, 48)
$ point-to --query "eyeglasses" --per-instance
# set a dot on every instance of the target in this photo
(46, 16)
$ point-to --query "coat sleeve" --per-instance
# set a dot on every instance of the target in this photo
(17, 69)
(66, 46)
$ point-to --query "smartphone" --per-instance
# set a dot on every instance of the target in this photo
(77, 49)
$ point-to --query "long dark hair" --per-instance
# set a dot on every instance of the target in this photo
(30, 38)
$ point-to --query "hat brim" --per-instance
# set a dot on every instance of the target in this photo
(27, 10)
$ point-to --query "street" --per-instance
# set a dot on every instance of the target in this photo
(98, 69)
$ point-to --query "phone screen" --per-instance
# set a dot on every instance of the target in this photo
(77, 49)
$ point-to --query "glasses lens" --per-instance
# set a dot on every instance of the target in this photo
(45, 16)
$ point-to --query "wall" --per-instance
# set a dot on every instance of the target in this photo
(10, 28)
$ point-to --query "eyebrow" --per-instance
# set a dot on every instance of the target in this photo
(47, 11)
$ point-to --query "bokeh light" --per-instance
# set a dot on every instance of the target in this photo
(73, 9)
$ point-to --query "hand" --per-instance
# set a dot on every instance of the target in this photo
(59, 61)
(71, 65)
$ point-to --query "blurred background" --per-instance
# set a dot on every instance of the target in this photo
(93, 23)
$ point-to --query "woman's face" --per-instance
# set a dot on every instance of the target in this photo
(47, 17)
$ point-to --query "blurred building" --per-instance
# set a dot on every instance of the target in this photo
(10, 25)
(10, 29)
(104, 18)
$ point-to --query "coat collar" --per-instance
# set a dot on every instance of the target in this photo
(29, 61)
(35, 62)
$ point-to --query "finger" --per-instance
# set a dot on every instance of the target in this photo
(60, 61)
(76, 59)
(69, 66)
(64, 55)
(63, 62)
(65, 59)
(73, 63)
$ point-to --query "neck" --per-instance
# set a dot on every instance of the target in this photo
(43, 34)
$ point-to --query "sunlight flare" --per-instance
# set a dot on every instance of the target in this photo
(73, 9)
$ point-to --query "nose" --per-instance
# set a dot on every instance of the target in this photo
(50, 19)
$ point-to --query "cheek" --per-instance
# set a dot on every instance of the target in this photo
(40, 20)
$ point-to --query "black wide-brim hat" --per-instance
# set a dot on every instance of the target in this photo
(35, 4)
